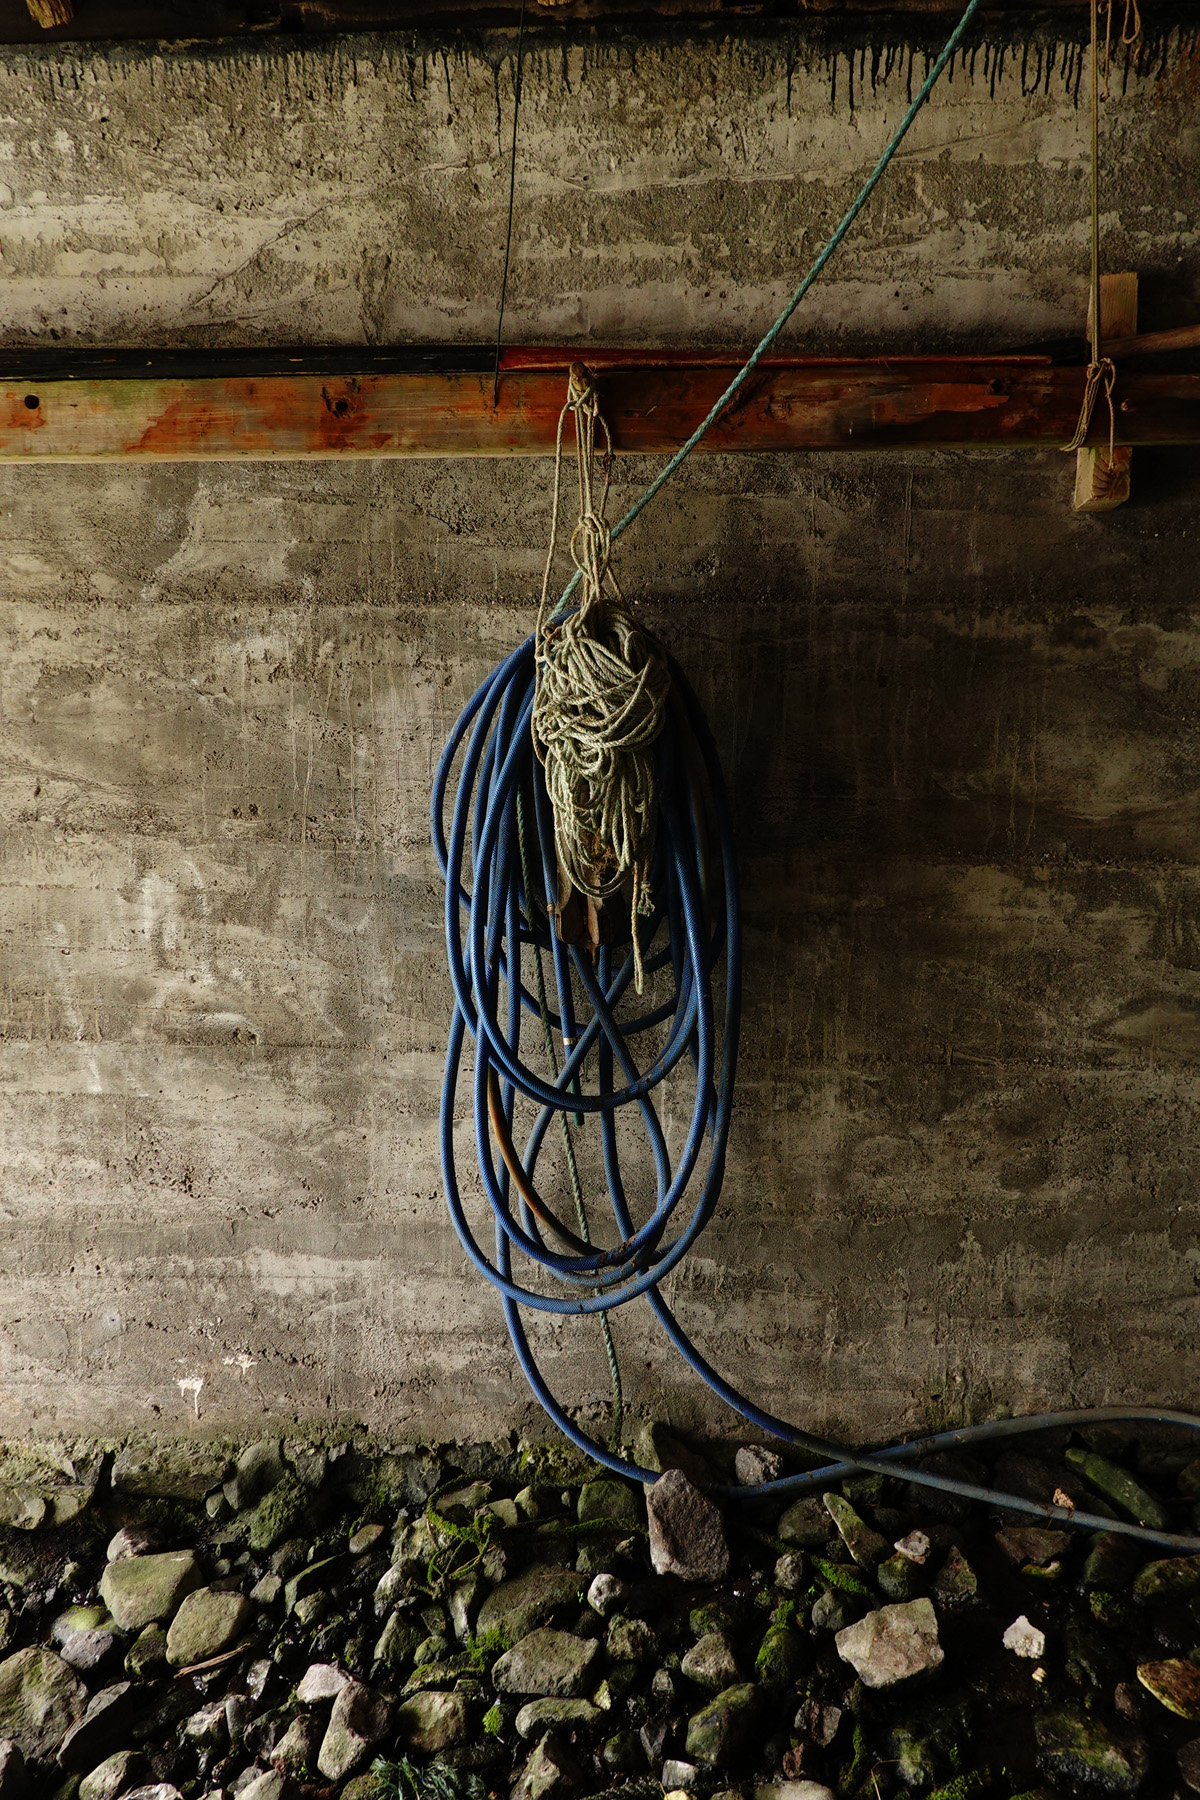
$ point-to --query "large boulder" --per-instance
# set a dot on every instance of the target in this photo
(206, 1623)
(40, 1699)
(546, 1663)
(137, 1590)
(535, 1598)
(430, 1722)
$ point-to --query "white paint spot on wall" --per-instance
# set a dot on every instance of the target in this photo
(189, 1387)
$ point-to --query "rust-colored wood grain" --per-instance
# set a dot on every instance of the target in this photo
(816, 405)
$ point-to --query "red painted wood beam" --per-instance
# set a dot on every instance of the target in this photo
(651, 400)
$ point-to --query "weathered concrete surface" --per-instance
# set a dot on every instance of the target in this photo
(959, 723)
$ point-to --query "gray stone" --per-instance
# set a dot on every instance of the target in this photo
(545, 1663)
(314, 1578)
(297, 1750)
(312, 1609)
(607, 1595)
(549, 1773)
(40, 1699)
(100, 1732)
(829, 1611)
(113, 1776)
(1073, 1745)
(1175, 1682)
(1119, 1486)
(1111, 1561)
(158, 1790)
(76, 1619)
(365, 1539)
(138, 1590)
(754, 1464)
(147, 1652)
(608, 1499)
(517, 1606)
(132, 1540)
(1021, 1544)
(794, 1790)
(899, 1578)
(271, 1786)
(806, 1524)
(631, 1640)
(892, 1644)
(170, 1471)
(208, 1727)
(430, 1722)
(537, 1717)
(780, 1658)
(207, 1623)
(687, 1532)
(277, 1515)
(722, 1730)
(358, 1721)
(679, 1777)
(790, 1572)
(320, 1681)
(462, 1605)
(14, 1776)
(1187, 1758)
(259, 1469)
(85, 1650)
(711, 1663)
(267, 1590)
(655, 1448)
(397, 1642)
(956, 1586)
(865, 1545)
(1172, 1578)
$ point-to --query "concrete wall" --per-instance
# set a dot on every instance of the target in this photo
(959, 723)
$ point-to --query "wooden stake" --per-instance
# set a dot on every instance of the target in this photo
(1100, 484)
(48, 13)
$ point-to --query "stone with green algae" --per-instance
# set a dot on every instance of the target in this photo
(1175, 1682)
(1074, 1745)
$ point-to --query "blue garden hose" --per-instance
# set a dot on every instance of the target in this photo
(498, 861)
(495, 931)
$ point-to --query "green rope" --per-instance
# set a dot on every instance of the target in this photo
(568, 1143)
(743, 375)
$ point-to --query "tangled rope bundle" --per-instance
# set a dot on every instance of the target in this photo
(601, 693)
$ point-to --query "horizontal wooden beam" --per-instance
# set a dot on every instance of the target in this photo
(793, 404)
(188, 20)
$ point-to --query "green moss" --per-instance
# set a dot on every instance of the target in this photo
(493, 1720)
(484, 1649)
(962, 1787)
(835, 1577)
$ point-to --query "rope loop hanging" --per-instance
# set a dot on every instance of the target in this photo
(600, 698)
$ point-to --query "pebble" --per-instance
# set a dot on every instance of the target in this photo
(1024, 1639)
(358, 1721)
(366, 1538)
(915, 1546)
(606, 1594)
(865, 1545)
(755, 1464)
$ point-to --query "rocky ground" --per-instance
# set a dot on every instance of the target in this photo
(300, 1623)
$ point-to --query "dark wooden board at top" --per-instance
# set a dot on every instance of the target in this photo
(1013, 402)
(179, 20)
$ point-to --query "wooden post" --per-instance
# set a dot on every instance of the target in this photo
(48, 13)
(1100, 484)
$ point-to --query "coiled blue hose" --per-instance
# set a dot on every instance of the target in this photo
(497, 858)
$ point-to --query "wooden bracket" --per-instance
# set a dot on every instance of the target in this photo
(1101, 484)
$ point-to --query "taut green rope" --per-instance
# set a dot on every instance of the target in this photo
(748, 367)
